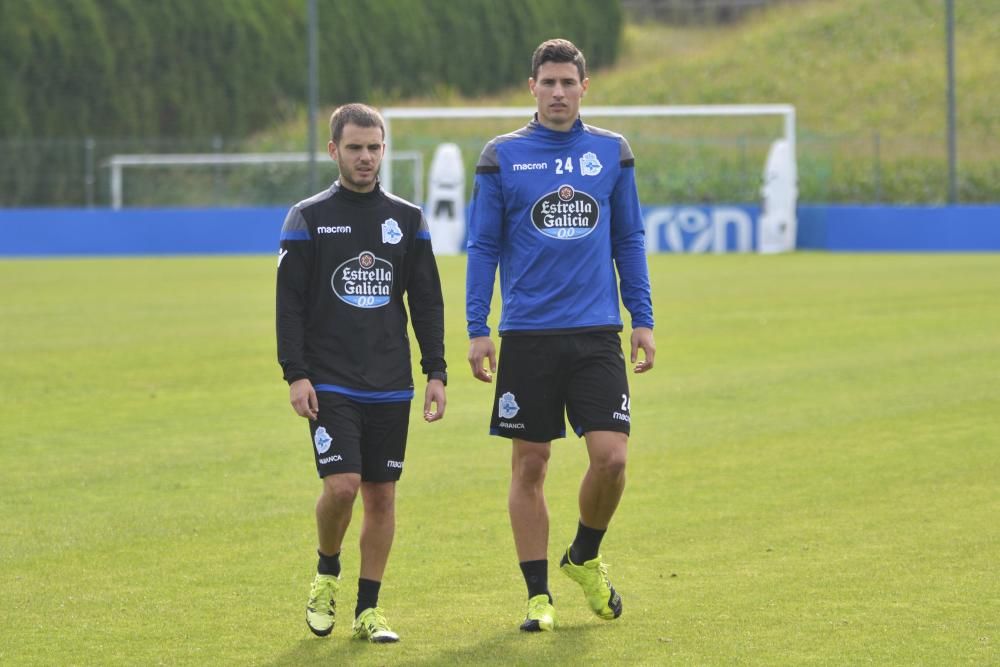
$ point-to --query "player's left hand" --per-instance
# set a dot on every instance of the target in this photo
(642, 338)
(434, 396)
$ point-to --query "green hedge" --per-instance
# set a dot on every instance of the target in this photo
(123, 68)
(157, 69)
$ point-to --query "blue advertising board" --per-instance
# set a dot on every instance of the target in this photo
(60, 232)
(675, 228)
(967, 228)
(701, 229)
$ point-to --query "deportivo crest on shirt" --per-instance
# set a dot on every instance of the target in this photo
(589, 164)
(565, 213)
(364, 281)
(391, 233)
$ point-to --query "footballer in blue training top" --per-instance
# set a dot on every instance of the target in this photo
(555, 208)
(559, 210)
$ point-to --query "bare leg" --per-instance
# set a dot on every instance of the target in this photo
(334, 509)
(604, 482)
(377, 528)
(529, 515)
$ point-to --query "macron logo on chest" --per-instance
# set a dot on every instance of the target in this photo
(340, 229)
(529, 166)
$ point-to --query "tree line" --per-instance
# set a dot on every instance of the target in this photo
(115, 74)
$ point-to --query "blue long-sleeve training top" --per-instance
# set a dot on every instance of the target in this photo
(558, 212)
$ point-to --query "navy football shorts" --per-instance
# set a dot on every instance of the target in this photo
(541, 378)
(364, 438)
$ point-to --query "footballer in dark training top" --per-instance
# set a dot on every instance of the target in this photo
(349, 256)
(355, 263)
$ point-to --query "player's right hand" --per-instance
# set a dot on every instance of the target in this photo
(480, 350)
(302, 396)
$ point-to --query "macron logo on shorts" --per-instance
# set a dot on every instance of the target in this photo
(394, 464)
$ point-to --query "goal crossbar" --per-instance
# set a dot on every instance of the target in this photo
(116, 163)
(785, 111)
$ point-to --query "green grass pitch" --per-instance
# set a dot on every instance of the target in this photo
(813, 476)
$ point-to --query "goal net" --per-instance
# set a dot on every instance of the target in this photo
(704, 173)
(233, 179)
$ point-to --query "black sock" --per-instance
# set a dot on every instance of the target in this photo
(328, 564)
(586, 545)
(536, 576)
(367, 595)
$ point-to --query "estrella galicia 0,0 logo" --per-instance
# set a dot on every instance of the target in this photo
(565, 213)
(364, 281)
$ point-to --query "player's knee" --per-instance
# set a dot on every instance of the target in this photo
(610, 464)
(379, 509)
(380, 499)
(530, 471)
(341, 489)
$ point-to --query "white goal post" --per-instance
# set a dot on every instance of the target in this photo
(117, 163)
(775, 225)
(778, 212)
(785, 111)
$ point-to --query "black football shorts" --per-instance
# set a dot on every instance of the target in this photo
(364, 438)
(541, 378)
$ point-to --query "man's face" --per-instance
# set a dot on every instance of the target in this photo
(359, 156)
(558, 91)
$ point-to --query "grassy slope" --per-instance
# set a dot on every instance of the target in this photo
(852, 68)
(849, 66)
(812, 481)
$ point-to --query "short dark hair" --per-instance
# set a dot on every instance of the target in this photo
(558, 51)
(361, 115)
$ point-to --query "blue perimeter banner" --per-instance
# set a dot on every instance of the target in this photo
(971, 228)
(855, 228)
(137, 231)
(687, 229)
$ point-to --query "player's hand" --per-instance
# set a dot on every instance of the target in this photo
(302, 396)
(642, 338)
(480, 350)
(434, 395)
